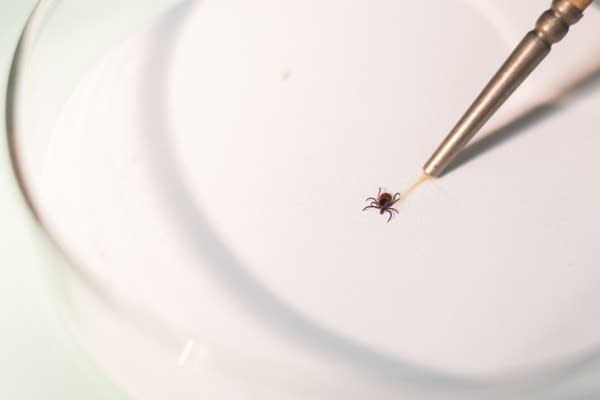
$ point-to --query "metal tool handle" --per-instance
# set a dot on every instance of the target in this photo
(550, 28)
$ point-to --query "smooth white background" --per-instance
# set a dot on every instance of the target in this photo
(211, 171)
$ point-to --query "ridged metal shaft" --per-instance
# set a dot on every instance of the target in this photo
(550, 28)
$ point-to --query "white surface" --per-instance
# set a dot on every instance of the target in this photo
(39, 358)
(197, 180)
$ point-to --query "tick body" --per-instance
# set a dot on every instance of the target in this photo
(383, 202)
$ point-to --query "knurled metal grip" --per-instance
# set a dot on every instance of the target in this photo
(554, 23)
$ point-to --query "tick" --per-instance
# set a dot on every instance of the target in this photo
(383, 202)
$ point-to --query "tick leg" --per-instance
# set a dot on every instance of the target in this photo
(396, 199)
(391, 215)
(371, 198)
(378, 193)
(393, 209)
(367, 207)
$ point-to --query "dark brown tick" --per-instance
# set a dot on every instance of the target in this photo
(383, 202)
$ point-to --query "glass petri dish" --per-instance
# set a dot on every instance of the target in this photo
(202, 166)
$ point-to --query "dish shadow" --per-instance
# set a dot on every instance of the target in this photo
(205, 244)
(584, 82)
(223, 264)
